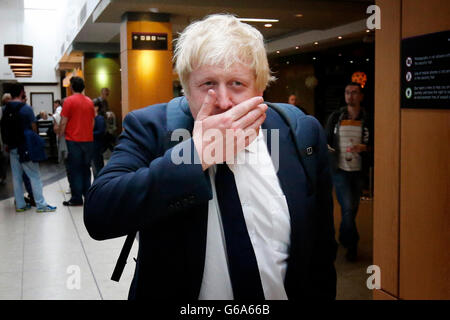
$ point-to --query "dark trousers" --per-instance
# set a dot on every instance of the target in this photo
(97, 158)
(27, 183)
(78, 164)
(348, 186)
(110, 142)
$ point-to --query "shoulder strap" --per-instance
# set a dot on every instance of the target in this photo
(178, 116)
(304, 137)
(122, 260)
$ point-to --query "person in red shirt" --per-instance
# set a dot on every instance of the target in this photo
(77, 123)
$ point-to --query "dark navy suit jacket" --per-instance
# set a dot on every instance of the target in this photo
(142, 189)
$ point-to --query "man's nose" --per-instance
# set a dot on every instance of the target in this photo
(223, 98)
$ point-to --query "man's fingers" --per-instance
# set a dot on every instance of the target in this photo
(255, 125)
(244, 107)
(250, 117)
(207, 106)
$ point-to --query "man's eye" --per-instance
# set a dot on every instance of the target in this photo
(208, 83)
(237, 83)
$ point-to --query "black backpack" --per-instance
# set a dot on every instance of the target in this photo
(11, 126)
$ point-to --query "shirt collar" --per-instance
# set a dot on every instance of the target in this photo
(253, 147)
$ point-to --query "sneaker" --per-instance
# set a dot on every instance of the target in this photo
(47, 208)
(27, 207)
(70, 203)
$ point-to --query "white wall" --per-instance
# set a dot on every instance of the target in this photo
(47, 25)
(29, 89)
(10, 31)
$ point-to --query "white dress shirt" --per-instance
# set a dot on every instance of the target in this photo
(268, 223)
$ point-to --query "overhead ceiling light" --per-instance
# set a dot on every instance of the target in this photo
(257, 20)
(154, 10)
(351, 61)
(314, 58)
(316, 43)
(20, 62)
(367, 30)
(268, 25)
(278, 51)
(339, 37)
(18, 51)
(21, 70)
(299, 15)
(296, 48)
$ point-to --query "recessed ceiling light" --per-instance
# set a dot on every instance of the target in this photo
(296, 48)
(278, 51)
(367, 59)
(257, 20)
(316, 43)
(268, 25)
(287, 62)
(351, 61)
(314, 58)
(299, 15)
(339, 37)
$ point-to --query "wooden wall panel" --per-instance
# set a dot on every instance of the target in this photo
(387, 147)
(421, 17)
(425, 205)
(425, 172)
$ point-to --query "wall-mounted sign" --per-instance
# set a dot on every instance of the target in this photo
(149, 41)
(426, 71)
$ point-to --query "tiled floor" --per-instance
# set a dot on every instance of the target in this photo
(51, 255)
(352, 276)
(47, 255)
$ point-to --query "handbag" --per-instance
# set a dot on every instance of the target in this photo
(34, 146)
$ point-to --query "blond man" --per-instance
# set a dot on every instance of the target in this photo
(213, 225)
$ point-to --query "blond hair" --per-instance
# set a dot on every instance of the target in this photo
(5, 97)
(221, 39)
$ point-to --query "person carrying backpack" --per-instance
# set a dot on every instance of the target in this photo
(231, 195)
(18, 117)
